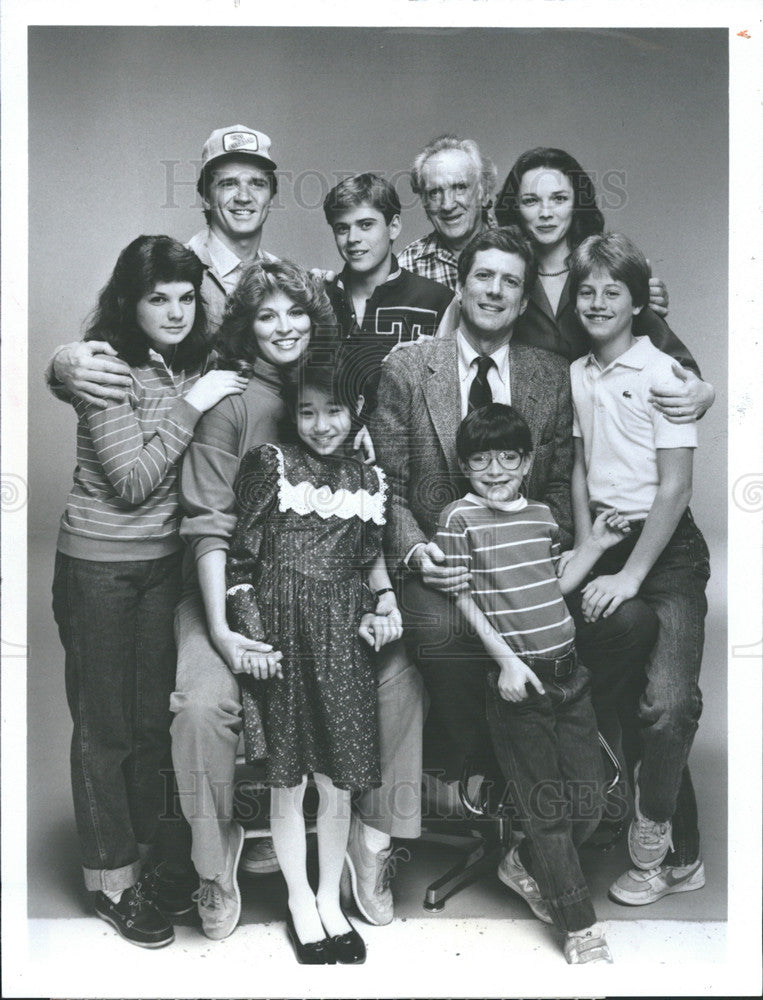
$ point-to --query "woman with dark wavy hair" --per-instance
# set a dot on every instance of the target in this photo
(270, 318)
(553, 200)
(117, 576)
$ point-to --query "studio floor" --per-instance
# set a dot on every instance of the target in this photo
(444, 950)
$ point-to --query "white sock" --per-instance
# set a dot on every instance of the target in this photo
(113, 896)
(374, 839)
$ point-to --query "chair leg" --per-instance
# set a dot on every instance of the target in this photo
(480, 859)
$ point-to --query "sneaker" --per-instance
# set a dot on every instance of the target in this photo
(648, 841)
(170, 893)
(585, 946)
(219, 899)
(513, 874)
(260, 857)
(370, 874)
(135, 918)
(637, 887)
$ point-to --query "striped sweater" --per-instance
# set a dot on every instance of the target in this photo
(511, 555)
(123, 504)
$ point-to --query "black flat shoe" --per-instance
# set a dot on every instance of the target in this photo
(349, 948)
(313, 953)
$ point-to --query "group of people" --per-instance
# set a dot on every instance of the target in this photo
(308, 505)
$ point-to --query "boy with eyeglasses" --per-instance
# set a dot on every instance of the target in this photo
(539, 711)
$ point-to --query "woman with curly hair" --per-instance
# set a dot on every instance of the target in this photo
(270, 318)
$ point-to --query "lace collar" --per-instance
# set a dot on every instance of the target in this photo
(306, 498)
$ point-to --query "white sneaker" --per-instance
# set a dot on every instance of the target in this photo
(637, 888)
(259, 857)
(513, 874)
(590, 945)
(219, 899)
(648, 840)
(370, 873)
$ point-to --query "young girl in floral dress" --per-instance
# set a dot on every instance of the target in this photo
(305, 574)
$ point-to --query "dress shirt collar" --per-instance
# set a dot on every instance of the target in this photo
(467, 354)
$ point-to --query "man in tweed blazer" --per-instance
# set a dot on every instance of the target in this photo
(425, 391)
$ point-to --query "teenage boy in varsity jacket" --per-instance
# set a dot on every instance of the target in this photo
(378, 303)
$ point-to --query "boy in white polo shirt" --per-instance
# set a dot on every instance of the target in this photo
(629, 457)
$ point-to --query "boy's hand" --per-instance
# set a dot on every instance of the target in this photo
(429, 562)
(685, 403)
(364, 443)
(378, 630)
(609, 528)
(325, 276)
(604, 595)
(513, 677)
(91, 370)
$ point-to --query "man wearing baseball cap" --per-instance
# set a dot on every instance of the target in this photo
(237, 184)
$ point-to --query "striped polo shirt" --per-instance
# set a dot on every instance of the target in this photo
(511, 554)
(123, 504)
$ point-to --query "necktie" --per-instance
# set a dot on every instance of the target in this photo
(479, 392)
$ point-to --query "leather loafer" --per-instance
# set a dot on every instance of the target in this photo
(312, 953)
(349, 948)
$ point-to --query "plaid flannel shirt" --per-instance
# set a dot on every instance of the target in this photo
(430, 258)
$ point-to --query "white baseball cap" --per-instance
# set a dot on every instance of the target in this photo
(240, 140)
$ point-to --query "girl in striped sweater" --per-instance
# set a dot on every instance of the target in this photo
(117, 574)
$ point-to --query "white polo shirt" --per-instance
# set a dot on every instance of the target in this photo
(497, 377)
(620, 428)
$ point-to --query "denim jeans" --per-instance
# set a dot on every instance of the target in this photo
(548, 750)
(115, 622)
(661, 728)
(615, 650)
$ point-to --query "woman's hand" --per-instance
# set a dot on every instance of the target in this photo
(364, 444)
(233, 647)
(658, 296)
(604, 595)
(685, 403)
(213, 387)
(609, 528)
(380, 628)
(261, 666)
(514, 675)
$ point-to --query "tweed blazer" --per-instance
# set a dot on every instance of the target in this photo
(414, 433)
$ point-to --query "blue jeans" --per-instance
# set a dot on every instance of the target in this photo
(548, 749)
(115, 620)
(663, 724)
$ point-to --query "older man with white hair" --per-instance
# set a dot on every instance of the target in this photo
(454, 181)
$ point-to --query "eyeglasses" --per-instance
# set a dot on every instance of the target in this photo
(508, 460)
